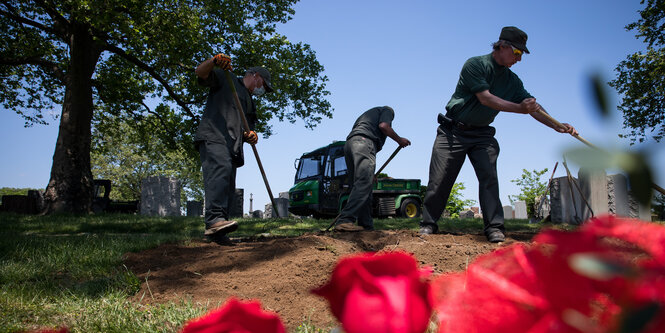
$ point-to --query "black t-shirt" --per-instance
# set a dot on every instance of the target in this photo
(367, 125)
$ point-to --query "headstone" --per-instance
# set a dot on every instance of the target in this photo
(508, 212)
(593, 184)
(33, 203)
(617, 195)
(160, 196)
(565, 201)
(637, 210)
(237, 203)
(542, 209)
(520, 210)
(267, 212)
(282, 206)
(284, 195)
(194, 208)
(466, 214)
(257, 214)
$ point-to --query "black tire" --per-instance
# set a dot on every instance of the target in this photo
(410, 208)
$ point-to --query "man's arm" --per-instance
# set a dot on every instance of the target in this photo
(528, 105)
(538, 116)
(388, 131)
(204, 68)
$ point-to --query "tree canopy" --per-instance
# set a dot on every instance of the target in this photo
(121, 57)
(641, 77)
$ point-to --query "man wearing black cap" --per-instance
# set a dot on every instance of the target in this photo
(486, 86)
(220, 136)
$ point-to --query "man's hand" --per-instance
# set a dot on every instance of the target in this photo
(250, 137)
(529, 105)
(223, 61)
(569, 129)
(403, 142)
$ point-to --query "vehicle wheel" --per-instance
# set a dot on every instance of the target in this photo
(410, 208)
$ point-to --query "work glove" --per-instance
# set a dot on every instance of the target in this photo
(223, 61)
(250, 137)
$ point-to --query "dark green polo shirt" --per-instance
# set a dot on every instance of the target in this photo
(220, 121)
(367, 125)
(478, 74)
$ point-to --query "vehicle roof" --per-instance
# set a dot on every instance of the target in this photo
(322, 150)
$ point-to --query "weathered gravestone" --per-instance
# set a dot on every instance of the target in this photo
(520, 210)
(160, 196)
(565, 201)
(593, 184)
(194, 208)
(508, 212)
(466, 214)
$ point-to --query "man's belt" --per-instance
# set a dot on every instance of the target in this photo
(447, 121)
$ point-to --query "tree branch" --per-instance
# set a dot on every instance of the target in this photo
(140, 64)
(48, 66)
(23, 20)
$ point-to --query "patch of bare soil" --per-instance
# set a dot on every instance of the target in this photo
(280, 272)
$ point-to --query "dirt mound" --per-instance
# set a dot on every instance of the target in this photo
(280, 272)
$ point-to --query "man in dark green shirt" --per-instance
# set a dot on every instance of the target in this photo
(486, 86)
(220, 137)
(367, 137)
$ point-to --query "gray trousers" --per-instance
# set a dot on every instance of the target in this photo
(219, 180)
(360, 156)
(450, 149)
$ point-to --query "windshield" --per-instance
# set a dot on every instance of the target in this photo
(309, 167)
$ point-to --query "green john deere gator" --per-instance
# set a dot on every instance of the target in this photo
(321, 188)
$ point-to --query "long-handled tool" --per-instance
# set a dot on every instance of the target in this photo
(245, 125)
(387, 161)
(375, 175)
(578, 137)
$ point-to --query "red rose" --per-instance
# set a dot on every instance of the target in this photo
(379, 293)
(236, 317)
(609, 273)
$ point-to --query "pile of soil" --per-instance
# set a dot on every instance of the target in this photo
(280, 272)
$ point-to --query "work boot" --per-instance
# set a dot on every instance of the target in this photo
(220, 239)
(223, 227)
(496, 237)
(348, 226)
(428, 230)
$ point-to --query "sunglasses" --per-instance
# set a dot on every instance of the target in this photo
(516, 51)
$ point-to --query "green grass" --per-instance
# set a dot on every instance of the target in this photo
(65, 270)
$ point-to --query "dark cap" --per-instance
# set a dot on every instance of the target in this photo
(515, 37)
(264, 74)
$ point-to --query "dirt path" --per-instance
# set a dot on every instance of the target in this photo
(280, 272)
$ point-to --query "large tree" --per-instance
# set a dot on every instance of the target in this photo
(120, 56)
(641, 77)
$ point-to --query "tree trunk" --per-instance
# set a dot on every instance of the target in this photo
(70, 188)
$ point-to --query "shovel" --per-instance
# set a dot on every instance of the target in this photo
(245, 126)
(578, 137)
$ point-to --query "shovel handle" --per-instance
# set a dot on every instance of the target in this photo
(245, 124)
(560, 125)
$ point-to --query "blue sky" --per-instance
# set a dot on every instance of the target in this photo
(408, 56)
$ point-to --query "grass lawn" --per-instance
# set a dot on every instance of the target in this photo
(67, 270)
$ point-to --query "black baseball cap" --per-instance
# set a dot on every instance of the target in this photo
(515, 37)
(264, 74)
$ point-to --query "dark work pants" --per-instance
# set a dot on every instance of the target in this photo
(219, 180)
(450, 149)
(360, 156)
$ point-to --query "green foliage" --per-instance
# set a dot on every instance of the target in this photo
(456, 202)
(120, 57)
(126, 153)
(640, 77)
(531, 187)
